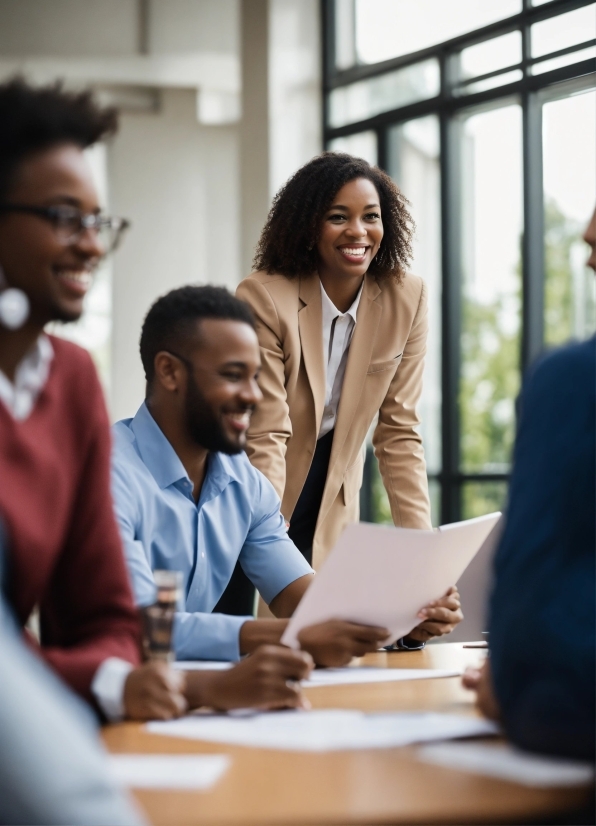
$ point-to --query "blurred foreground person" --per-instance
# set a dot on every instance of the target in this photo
(65, 553)
(541, 679)
(52, 768)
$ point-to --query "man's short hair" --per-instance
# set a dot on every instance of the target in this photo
(172, 320)
(36, 118)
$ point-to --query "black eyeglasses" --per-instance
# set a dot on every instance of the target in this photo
(69, 223)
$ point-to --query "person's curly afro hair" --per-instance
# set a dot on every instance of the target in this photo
(288, 243)
(33, 119)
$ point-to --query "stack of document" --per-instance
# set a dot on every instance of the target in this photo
(168, 771)
(505, 762)
(323, 730)
(337, 676)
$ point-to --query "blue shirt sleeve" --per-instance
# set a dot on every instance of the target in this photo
(196, 635)
(269, 558)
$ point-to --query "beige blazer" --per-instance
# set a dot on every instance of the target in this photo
(383, 376)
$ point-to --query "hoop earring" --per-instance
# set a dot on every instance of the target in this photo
(14, 305)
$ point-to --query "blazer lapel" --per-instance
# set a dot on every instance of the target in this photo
(361, 347)
(310, 324)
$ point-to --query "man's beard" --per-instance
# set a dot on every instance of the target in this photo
(203, 426)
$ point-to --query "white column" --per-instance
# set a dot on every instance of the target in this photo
(178, 182)
(281, 104)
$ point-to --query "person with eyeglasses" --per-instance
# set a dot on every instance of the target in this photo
(65, 554)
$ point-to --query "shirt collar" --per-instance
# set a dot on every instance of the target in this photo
(156, 451)
(164, 464)
(30, 378)
(330, 311)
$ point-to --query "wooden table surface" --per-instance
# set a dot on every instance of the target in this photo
(377, 786)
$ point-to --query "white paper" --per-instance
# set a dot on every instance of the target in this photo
(364, 674)
(168, 771)
(337, 676)
(508, 763)
(324, 730)
(379, 575)
(202, 665)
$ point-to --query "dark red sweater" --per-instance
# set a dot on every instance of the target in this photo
(64, 550)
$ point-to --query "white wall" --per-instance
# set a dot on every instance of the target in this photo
(178, 183)
(182, 26)
(197, 194)
(68, 27)
(295, 128)
(281, 103)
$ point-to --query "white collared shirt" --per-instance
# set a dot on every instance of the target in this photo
(338, 329)
(29, 379)
(19, 398)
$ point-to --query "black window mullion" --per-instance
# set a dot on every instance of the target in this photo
(382, 158)
(451, 313)
(532, 339)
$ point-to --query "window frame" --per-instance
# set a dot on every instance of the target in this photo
(530, 92)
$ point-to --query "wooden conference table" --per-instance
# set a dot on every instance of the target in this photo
(388, 786)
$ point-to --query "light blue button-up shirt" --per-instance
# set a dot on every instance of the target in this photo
(236, 518)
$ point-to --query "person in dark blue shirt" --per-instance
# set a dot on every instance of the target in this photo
(542, 614)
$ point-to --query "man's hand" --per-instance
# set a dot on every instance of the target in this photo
(335, 642)
(154, 692)
(439, 617)
(269, 678)
(479, 680)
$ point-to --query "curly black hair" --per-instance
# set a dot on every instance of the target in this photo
(37, 118)
(288, 243)
(171, 320)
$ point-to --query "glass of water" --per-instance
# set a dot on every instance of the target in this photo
(158, 619)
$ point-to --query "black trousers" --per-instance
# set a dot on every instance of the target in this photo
(239, 596)
(306, 512)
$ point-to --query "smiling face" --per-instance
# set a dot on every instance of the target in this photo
(222, 388)
(351, 232)
(54, 275)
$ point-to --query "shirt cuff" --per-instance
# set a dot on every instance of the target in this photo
(108, 687)
(208, 636)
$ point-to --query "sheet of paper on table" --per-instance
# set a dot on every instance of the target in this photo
(380, 575)
(507, 763)
(168, 771)
(323, 730)
(339, 676)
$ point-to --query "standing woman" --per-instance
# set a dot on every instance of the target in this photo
(342, 329)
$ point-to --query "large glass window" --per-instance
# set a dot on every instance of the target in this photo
(492, 226)
(368, 98)
(361, 145)
(413, 161)
(569, 142)
(484, 113)
(390, 28)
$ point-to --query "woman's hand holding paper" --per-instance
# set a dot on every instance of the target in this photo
(439, 617)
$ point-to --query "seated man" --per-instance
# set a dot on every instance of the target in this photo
(541, 681)
(188, 499)
(64, 553)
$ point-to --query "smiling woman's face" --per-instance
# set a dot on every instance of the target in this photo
(351, 232)
(55, 276)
